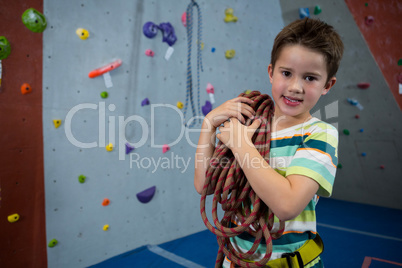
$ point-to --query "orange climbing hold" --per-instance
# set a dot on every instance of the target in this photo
(26, 88)
(105, 202)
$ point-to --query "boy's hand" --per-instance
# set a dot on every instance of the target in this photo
(236, 108)
(235, 135)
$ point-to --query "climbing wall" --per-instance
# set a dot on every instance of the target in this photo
(368, 118)
(22, 202)
(92, 209)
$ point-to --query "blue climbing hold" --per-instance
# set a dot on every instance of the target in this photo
(168, 33)
(146, 195)
(129, 148)
(150, 29)
(304, 12)
(213, 50)
(207, 107)
(145, 102)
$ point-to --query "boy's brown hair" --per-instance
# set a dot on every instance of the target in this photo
(313, 34)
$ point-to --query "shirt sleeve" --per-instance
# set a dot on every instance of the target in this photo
(317, 157)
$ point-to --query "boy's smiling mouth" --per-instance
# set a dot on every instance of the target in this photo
(292, 101)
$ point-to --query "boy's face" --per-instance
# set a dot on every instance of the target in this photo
(298, 81)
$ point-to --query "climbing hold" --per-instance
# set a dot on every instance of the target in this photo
(52, 243)
(109, 147)
(317, 10)
(346, 132)
(105, 69)
(304, 12)
(399, 62)
(129, 148)
(357, 116)
(366, 4)
(369, 20)
(5, 48)
(34, 20)
(202, 45)
(213, 50)
(165, 148)
(168, 33)
(149, 53)
(364, 154)
(206, 108)
(105, 202)
(180, 105)
(248, 91)
(339, 166)
(104, 94)
(361, 130)
(145, 102)
(399, 78)
(230, 53)
(363, 85)
(82, 33)
(13, 218)
(382, 166)
(229, 17)
(150, 29)
(26, 88)
(146, 195)
(184, 19)
(105, 227)
(57, 122)
(81, 178)
(211, 91)
(355, 103)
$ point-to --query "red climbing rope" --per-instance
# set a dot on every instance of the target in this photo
(226, 180)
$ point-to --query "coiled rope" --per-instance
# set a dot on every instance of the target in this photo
(189, 87)
(225, 178)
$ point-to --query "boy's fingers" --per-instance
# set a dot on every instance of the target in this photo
(256, 124)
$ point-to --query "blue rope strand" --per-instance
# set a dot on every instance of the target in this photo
(189, 85)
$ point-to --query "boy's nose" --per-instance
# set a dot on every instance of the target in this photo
(296, 86)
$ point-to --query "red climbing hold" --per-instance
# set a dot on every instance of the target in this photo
(363, 85)
(369, 20)
(400, 78)
(146, 195)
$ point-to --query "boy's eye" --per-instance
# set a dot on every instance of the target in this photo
(310, 78)
(286, 73)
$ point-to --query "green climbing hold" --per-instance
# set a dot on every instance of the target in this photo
(34, 20)
(346, 132)
(317, 10)
(104, 95)
(339, 166)
(52, 243)
(399, 62)
(5, 48)
(81, 178)
(366, 4)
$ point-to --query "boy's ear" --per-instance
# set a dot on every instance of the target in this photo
(270, 72)
(331, 82)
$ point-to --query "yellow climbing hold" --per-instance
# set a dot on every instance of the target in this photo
(105, 227)
(13, 218)
(230, 53)
(57, 122)
(180, 105)
(229, 17)
(109, 147)
(82, 33)
(248, 91)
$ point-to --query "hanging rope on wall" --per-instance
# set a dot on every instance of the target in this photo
(225, 178)
(189, 89)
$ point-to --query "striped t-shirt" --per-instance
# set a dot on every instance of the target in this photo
(308, 149)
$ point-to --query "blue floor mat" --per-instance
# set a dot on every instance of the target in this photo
(351, 232)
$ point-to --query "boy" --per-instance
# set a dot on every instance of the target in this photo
(303, 157)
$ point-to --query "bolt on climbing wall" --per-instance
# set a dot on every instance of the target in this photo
(118, 160)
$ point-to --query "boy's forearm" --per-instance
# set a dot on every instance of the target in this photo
(205, 149)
